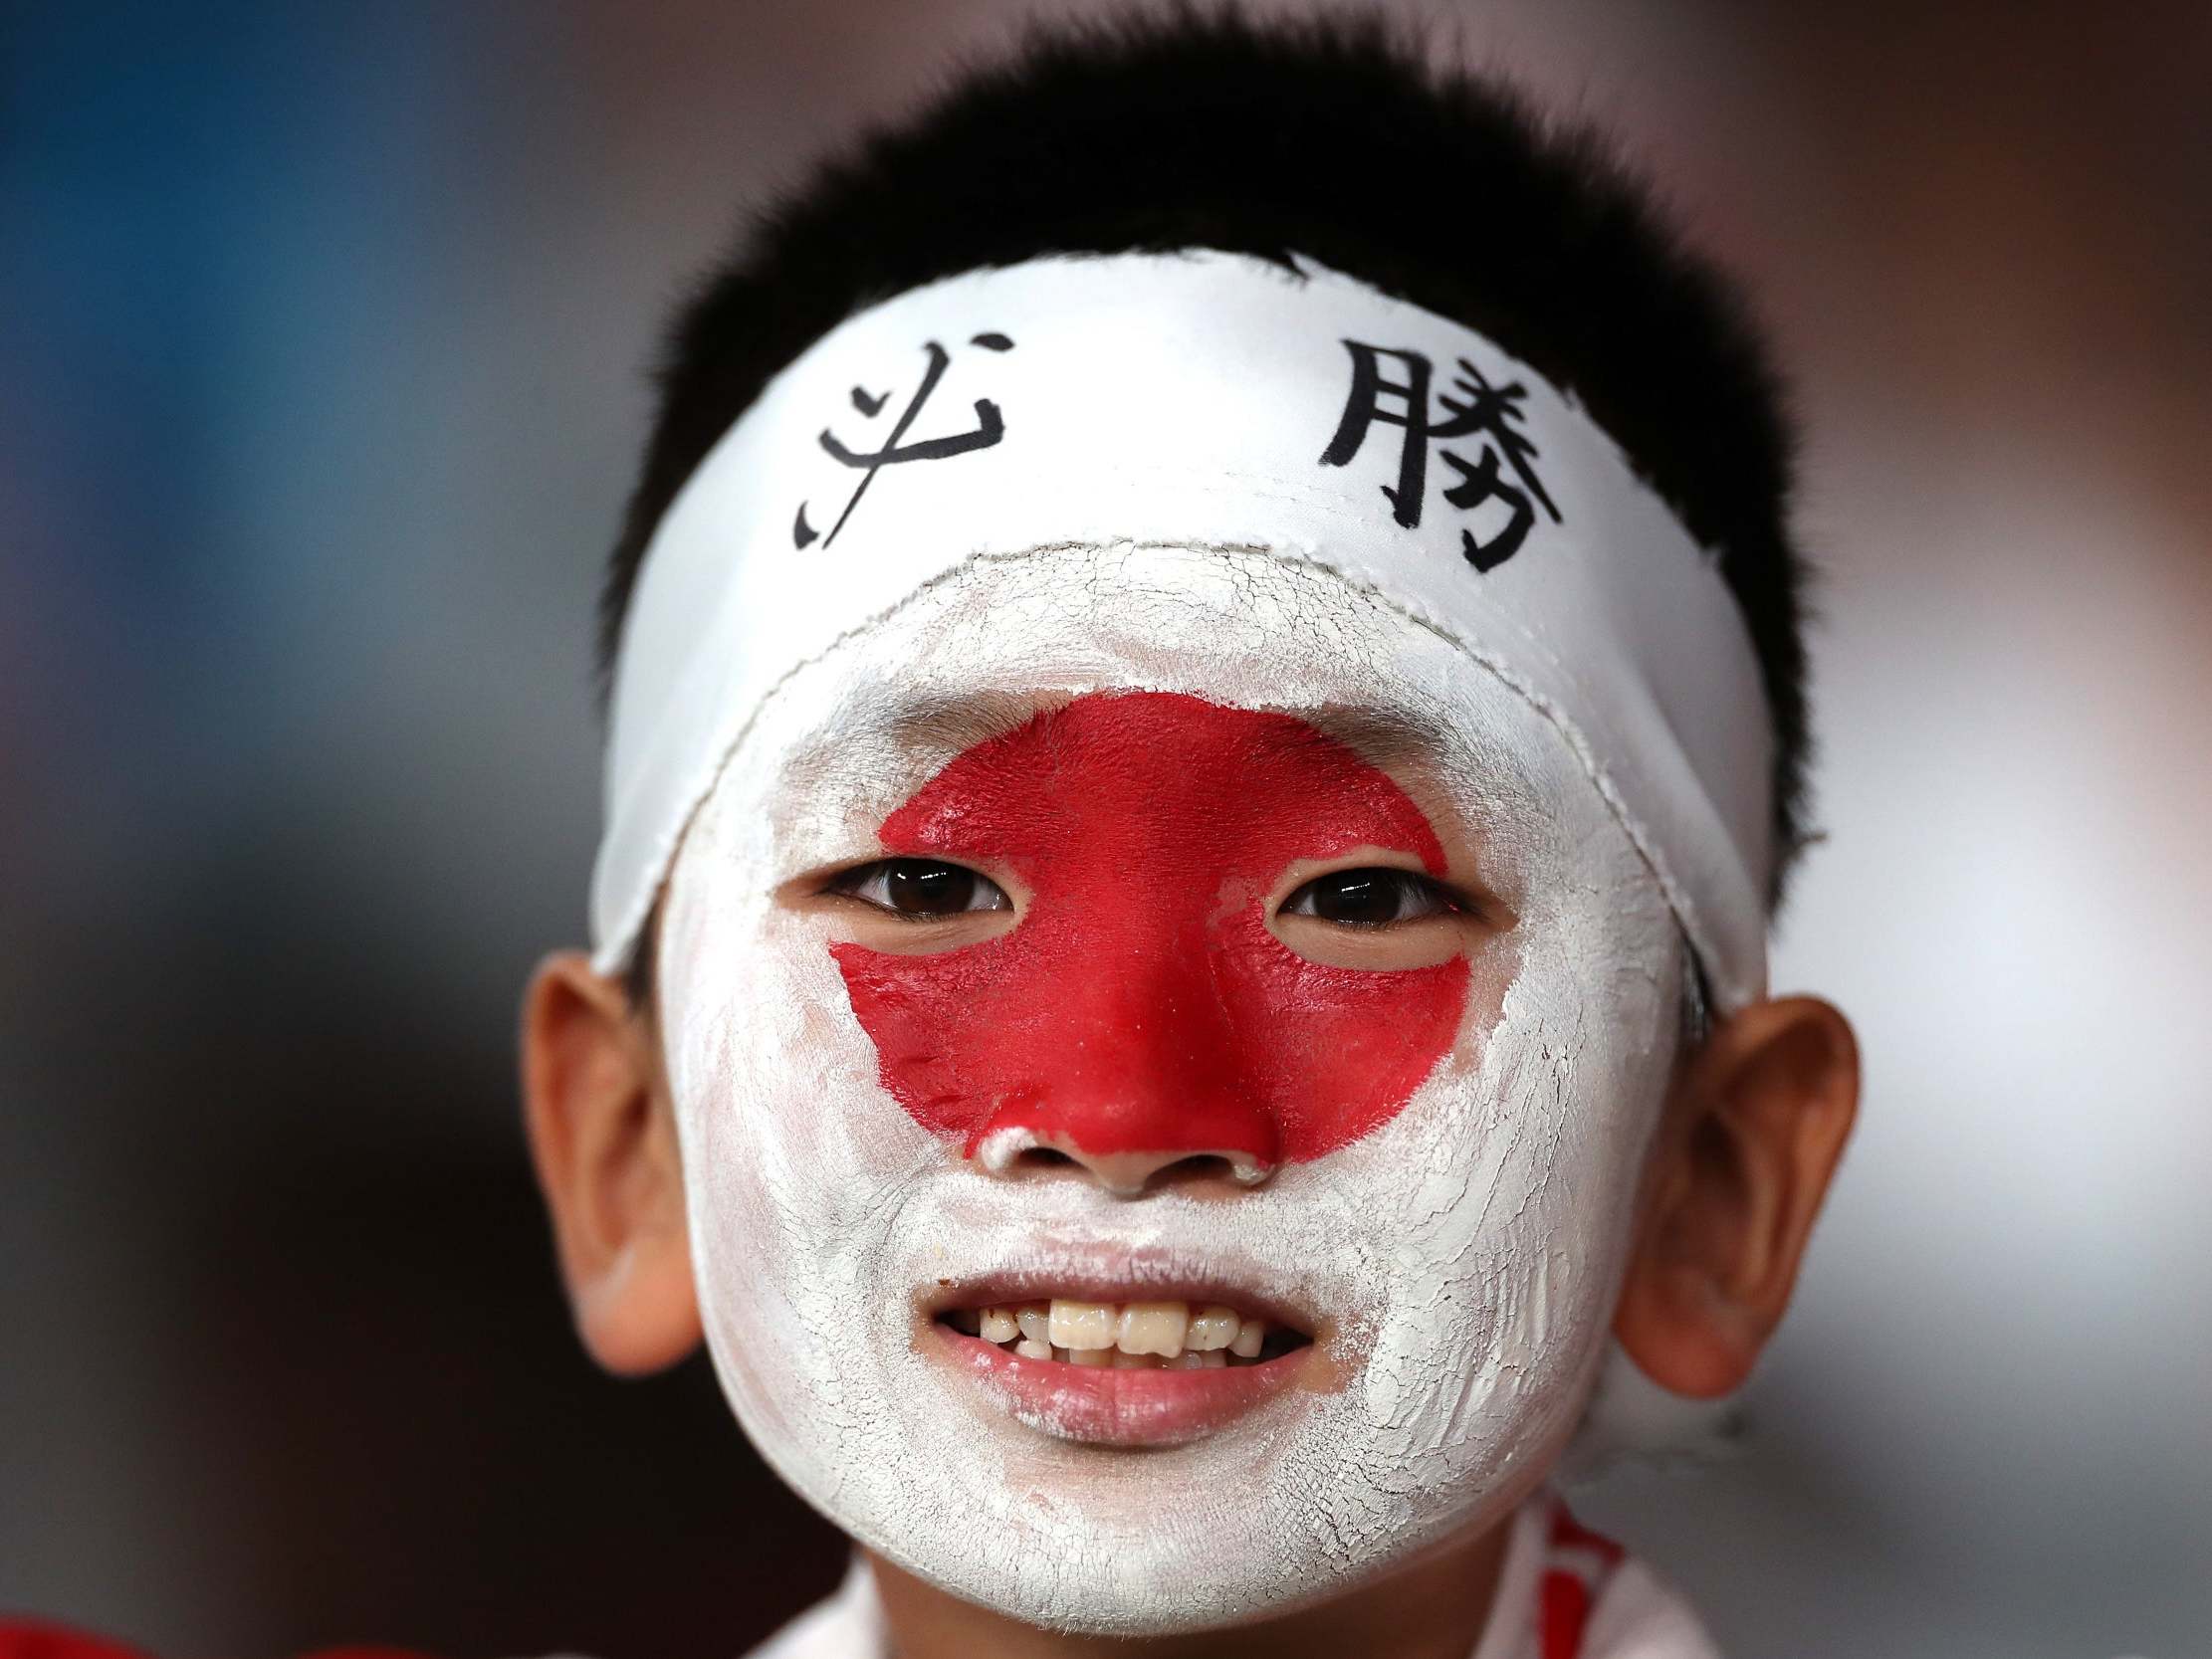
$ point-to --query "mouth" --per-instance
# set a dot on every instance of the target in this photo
(1129, 1336)
(1078, 1364)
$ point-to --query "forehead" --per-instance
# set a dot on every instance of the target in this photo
(982, 649)
(848, 737)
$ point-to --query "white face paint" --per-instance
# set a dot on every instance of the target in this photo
(1459, 1263)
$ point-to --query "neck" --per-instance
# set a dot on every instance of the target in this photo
(1434, 1610)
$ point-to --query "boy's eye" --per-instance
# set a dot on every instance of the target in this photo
(922, 887)
(1370, 898)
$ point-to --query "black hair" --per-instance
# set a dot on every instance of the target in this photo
(1329, 137)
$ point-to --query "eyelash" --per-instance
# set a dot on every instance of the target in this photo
(1403, 885)
(1305, 901)
(852, 883)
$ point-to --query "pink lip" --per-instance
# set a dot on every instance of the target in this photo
(1100, 1406)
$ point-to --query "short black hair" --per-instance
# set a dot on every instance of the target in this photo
(1328, 137)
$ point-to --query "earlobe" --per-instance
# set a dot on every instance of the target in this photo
(603, 1143)
(1752, 1134)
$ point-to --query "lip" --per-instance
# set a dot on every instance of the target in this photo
(1100, 1405)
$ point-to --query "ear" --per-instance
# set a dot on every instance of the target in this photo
(603, 1139)
(1751, 1134)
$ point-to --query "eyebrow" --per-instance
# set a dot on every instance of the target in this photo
(1388, 739)
(959, 722)
(1384, 738)
(949, 725)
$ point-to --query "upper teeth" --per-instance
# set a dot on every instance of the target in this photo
(1127, 1334)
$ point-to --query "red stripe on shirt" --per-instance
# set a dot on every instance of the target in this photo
(1578, 1563)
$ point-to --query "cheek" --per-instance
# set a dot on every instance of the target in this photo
(775, 1093)
(1239, 1042)
(1336, 1052)
(1135, 1007)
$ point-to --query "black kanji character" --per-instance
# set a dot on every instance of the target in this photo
(989, 429)
(1477, 408)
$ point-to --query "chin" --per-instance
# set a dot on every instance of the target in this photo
(1149, 1493)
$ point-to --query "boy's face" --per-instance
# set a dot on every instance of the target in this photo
(1122, 1029)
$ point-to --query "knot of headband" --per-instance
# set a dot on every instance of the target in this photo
(1202, 398)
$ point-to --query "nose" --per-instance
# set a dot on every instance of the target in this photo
(1140, 1076)
(1018, 1150)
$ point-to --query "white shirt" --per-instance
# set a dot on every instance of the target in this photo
(1564, 1593)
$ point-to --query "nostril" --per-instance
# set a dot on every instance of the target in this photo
(1018, 1152)
(1198, 1166)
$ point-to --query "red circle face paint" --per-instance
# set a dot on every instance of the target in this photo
(1142, 1004)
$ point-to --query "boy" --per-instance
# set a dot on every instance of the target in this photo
(1207, 715)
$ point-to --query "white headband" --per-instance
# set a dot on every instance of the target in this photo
(1201, 399)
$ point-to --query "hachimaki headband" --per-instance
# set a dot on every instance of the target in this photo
(1202, 400)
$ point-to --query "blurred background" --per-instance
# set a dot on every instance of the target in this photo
(321, 346)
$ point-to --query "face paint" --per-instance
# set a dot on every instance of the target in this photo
(1455, 1264)
(1150, 829)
